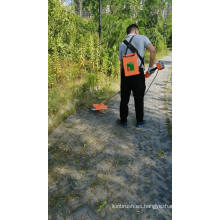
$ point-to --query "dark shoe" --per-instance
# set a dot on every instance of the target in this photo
(140, 124)
(121, 124)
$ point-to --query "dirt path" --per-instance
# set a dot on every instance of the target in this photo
(95, 165)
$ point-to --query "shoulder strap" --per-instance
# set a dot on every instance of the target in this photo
(133, 49)
(128, 43)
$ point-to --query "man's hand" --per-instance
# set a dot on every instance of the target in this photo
(151, 69)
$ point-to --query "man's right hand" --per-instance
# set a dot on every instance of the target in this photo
(151, 69)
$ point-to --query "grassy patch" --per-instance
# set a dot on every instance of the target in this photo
(78, 88)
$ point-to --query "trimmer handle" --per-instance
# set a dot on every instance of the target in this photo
(159, 66)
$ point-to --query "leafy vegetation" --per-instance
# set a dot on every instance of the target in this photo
(80, 69)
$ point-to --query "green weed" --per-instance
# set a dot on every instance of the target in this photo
(101, 205)
(159, 154)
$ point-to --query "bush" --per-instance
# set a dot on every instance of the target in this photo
(156, 38)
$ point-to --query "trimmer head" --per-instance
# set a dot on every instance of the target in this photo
(98, 107)
(102, 106)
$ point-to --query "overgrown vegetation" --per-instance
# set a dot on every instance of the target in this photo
(80, 70)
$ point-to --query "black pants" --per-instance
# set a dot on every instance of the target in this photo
(136, 84)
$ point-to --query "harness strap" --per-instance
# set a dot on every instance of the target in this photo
(128, 43)
(133, 49)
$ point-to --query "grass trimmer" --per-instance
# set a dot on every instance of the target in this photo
(159, 66)
(97, 107)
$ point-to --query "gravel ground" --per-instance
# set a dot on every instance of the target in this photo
(94, 165)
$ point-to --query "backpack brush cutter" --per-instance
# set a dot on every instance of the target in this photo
(98, 107)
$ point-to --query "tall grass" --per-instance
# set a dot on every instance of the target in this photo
(78, 85)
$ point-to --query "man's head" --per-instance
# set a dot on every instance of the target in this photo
(132, 29)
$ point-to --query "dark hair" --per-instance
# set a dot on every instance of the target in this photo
(131, 27)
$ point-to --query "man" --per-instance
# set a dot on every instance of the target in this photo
(135, 83)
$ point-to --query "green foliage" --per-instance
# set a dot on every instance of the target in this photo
(156, 38)
(168, 32)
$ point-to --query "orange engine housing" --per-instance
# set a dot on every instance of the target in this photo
(159, 66)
